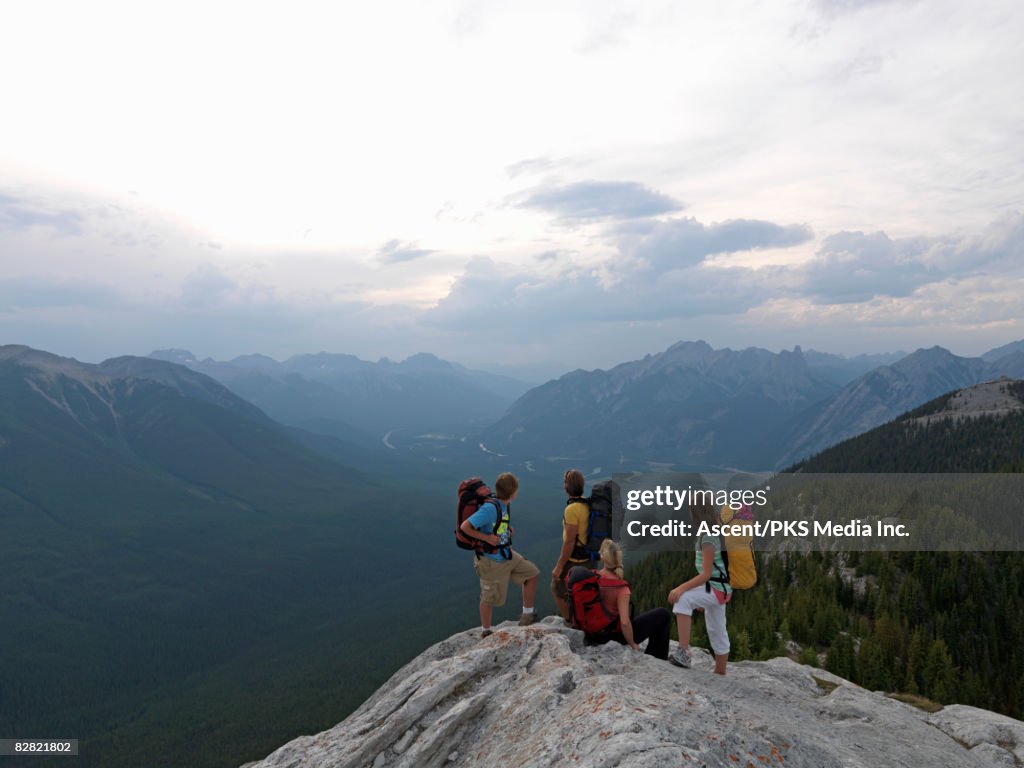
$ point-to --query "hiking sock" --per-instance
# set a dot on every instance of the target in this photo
(527, 610)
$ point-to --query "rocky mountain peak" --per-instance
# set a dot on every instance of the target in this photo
(180, 356)
(426, 361)
(537, 697)
(689, 349)
(925, 358)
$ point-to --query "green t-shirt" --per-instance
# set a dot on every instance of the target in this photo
(718, 571)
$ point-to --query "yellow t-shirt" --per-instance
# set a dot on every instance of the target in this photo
(577, 514)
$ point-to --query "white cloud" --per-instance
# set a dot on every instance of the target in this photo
(358, 161)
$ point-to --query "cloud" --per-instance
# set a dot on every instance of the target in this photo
(853, 267)
(532, 165)
(861, 65)
(845, 7)
(19, 214)
(666, 245)
(608, 33)
(660, 279)
(1000, 245)
(607, 293)
(205, 286)
(397, 252)
(658, 274)
(595, 200)
(518, 305)
(42, 292)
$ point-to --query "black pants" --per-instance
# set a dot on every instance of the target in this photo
(653, 626)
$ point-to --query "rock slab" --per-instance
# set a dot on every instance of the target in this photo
(534, 697)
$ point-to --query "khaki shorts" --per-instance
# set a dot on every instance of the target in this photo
(558, 588)
(495, 576)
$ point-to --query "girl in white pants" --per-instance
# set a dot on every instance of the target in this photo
(708, 590)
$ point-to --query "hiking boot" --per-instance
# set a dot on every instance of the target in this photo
(680, 657)
(486, 633)
(527, 619)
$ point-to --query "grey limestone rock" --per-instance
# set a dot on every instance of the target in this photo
(533, 697)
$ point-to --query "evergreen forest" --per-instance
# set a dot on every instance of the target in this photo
(946, 626)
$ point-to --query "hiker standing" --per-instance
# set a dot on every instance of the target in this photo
(575, 519)
(497, 563)
(708, 590)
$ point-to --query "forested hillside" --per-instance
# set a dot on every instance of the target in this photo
(980, 442)
(945, 625)
(184, 585)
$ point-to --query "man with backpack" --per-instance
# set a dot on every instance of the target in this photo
(496, 563)
(575, 525)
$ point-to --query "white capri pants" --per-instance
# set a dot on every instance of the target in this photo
(714, 615)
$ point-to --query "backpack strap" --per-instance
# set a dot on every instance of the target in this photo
(612, 582)
(501, 517)
(506, 550)
(723, 577)
(579, 551)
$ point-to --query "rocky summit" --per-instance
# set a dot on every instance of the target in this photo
(536, 696)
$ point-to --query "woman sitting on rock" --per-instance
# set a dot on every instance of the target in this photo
(653, 626)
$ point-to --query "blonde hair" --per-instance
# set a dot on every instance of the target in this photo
(611, 557)
(506, 485)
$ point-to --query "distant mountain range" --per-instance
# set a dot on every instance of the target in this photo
(690, 405)
(886, 392)
(357, 400)
(842, 370)
(695, 407)
(137, 422)
(1004, 351)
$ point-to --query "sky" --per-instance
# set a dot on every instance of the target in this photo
(537, 185)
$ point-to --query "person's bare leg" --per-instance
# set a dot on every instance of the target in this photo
(683, 624)
(485, 615)
(563, 607)
(721, 659)
(529, 592)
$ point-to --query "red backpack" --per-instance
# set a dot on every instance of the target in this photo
(472, 495)
(586, 611)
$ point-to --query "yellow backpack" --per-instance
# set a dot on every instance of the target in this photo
(738, 551)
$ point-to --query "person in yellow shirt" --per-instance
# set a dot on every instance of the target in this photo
(575, 520)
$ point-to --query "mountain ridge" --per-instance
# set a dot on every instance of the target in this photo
(340, 394)
(689, 403)
(884, 393)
